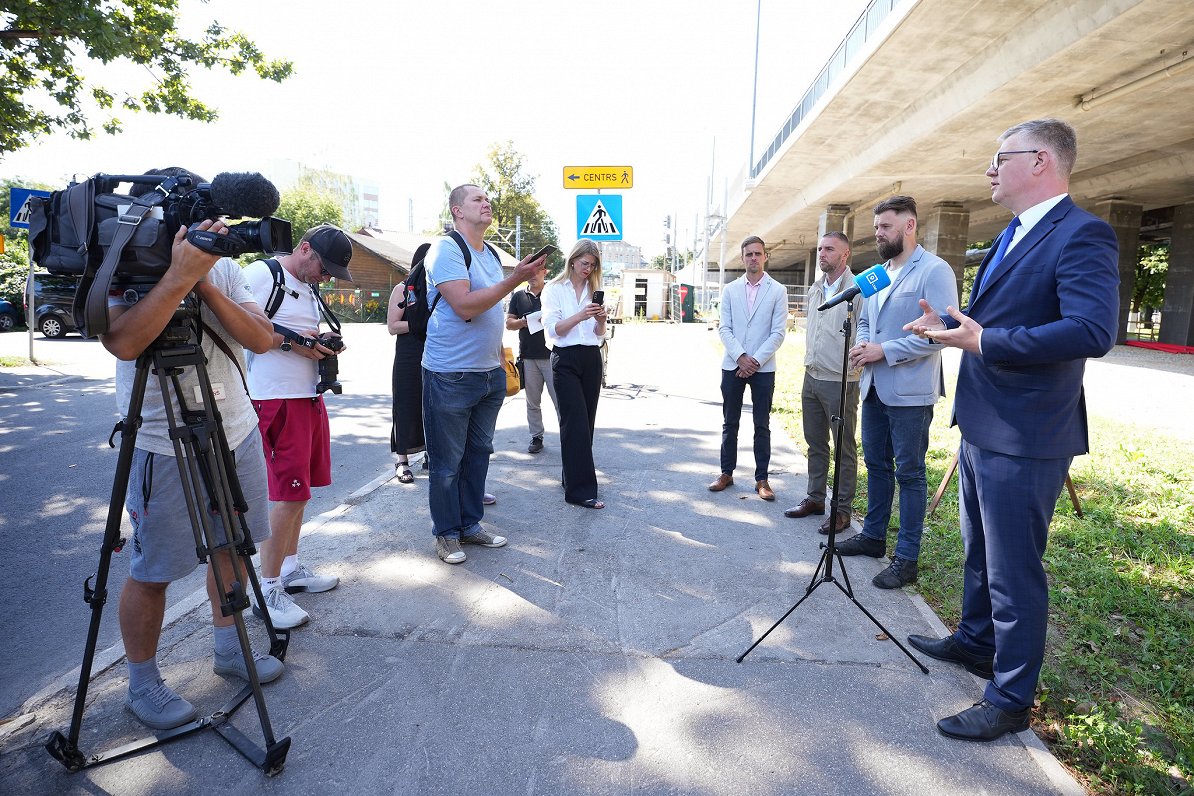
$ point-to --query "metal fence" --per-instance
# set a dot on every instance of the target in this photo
(356, 306)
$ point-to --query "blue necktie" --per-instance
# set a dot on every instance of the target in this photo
(1004, 242)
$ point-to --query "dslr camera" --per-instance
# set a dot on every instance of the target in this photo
(329, 367)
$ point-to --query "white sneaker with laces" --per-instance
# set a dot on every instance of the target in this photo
(283, 612)
(303, 579)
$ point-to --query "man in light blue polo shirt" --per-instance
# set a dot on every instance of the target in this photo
(464, 382)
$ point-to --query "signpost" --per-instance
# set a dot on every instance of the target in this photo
(598, 177)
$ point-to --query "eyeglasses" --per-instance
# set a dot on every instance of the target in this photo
(998, 158)
(325, 273)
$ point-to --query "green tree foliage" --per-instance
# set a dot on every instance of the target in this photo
(512, 195)
(305, 207)
(44, 42)
(1149, 288)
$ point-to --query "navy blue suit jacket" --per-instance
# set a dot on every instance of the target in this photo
(1052, 303)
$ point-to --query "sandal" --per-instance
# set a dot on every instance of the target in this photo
(405, 476)
(591, 503)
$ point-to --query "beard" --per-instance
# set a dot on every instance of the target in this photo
(890, 249)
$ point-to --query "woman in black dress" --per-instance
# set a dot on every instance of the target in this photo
(406, 433)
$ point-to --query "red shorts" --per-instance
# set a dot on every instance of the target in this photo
(298, 455)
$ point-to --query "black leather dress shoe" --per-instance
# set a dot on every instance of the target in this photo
(984, 722)
(946, 649)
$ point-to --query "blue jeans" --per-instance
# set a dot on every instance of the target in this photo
(899, 434)
(460, 412)
(762, 388)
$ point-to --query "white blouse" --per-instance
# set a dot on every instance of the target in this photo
(559, 302)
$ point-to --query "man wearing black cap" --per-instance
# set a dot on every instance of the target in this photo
(291, 414)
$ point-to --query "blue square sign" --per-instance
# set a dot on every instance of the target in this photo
(599, 216)
(18, 205)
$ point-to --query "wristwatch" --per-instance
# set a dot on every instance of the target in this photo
(285, 344)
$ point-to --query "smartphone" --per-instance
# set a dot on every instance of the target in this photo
(598, 296)
(546, 251)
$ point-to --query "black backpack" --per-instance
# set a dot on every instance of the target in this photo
(414, 304)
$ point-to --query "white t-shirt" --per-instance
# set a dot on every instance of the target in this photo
(278, 373)
(235, 408)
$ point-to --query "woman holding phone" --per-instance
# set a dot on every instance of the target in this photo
(574, 324)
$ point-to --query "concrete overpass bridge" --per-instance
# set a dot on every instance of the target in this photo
(914, 98)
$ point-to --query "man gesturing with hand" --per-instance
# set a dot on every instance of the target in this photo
(1045, 299)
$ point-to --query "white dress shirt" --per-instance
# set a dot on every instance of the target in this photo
(560, 302)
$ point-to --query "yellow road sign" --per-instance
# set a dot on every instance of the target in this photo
(592, 177)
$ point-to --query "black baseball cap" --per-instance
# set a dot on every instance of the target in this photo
(333, 247)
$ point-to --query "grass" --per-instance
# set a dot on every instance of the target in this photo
(1116, 696)
(13, 362)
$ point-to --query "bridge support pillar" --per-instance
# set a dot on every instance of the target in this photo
(1177, 313)
(1124, 218)
(945, 232)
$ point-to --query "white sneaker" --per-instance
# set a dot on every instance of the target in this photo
(303, 579)
(283, 612)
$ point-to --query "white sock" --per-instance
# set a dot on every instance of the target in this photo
(227, 641)
(289, 564)
(269, 584)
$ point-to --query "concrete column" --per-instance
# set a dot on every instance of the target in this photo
(945, 235)
(1124, 218)
(835, 218)
(1177, 313)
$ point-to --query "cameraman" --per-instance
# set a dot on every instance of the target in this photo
(163, 547)
(292, 417)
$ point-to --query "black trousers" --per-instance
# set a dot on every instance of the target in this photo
(576, 373)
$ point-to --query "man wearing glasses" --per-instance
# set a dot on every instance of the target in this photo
(291, 414)
(1046, 297)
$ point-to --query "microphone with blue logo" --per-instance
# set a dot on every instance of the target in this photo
(868, 283)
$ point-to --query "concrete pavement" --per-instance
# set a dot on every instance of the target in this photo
(593, 654)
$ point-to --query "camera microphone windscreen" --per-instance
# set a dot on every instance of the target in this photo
(244, 194)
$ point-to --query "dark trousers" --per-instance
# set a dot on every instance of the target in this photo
(576, 373)
(1006, 506)
(762, 388)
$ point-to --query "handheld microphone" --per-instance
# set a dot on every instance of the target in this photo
(868, 283)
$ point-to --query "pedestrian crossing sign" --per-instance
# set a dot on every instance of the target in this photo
(18, 205)
(599, 216)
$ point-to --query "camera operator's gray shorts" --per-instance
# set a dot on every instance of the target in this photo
(163, 545)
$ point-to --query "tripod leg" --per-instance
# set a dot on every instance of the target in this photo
(203, 465)
(65, 749)
(879, 625)
(812, 587)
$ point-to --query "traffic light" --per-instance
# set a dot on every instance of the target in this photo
(667, 222)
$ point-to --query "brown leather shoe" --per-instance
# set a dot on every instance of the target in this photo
(843, 522)
(764, 490)
(723, 480)
(804, 508)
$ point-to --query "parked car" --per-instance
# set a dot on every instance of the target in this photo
(10, 316)
(53, 297)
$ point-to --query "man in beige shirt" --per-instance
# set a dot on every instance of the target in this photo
(821, 395)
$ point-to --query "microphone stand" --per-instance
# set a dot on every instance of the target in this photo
(824, 570)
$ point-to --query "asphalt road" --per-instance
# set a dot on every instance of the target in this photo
(56, 477)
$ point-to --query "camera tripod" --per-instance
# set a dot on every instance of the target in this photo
(213, 495)
(824, 571)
